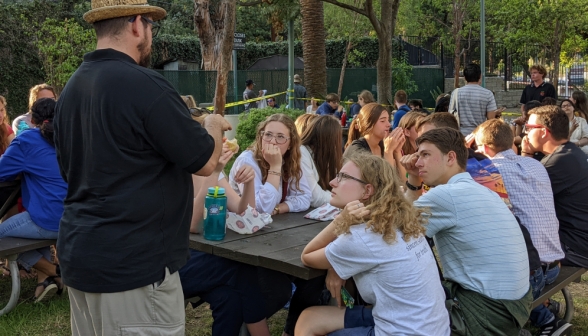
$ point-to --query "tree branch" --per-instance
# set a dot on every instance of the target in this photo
(346, 6)
(251, 3)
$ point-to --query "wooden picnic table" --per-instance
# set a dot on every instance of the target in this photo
(277, 246)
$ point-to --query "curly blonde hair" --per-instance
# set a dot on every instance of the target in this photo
(35, 92)
(389, 210)
(292, 169)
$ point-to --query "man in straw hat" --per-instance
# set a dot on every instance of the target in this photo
(127, 146)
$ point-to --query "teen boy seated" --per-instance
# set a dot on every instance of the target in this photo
(480, 244)
(529, 191)
(547, 132)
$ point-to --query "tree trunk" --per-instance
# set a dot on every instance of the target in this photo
(222, 74)
(342, 77)
(385, 32)
(215, 24)
(313, 47)
(557, 57)
(457, 62)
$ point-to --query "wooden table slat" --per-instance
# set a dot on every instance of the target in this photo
(10, 245)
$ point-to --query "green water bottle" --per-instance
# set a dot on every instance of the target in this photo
(215, 206)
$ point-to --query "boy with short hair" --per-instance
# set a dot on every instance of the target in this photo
(480, 244)
(331, 106)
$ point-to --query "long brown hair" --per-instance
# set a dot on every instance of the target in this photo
(389, 209)
(581, 104)
(409, 120)
(303, 121)
(366, 119)
(291, 161)
(323, 136)
(4, 128)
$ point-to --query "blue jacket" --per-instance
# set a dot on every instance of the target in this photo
(326, 109)
(43, 188)
(402, 110)
(354, 110)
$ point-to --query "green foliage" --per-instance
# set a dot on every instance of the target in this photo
(247, 129)
(180, 17)
(436, 93)
(402, 75)
(339, 22)
(62, 45)
(168, 47)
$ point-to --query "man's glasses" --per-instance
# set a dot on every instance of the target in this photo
(341, 176)
(268, 136)
(154, 26)
(529, 127)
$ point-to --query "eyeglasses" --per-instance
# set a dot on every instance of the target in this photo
(154, 26)
(268, 136)
(529, 127)
(341, 176)
(566, 105)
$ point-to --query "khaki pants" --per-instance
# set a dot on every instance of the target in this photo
(147, 311)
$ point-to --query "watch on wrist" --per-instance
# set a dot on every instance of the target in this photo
(413, 188)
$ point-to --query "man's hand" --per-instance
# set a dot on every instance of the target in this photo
(334, 284)
(225, 156)
(340, 108)
(526, 147)
(520, 121)
(409, 163)
(211, 119)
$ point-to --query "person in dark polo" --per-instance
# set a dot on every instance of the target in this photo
(538, 89)
(127, 147)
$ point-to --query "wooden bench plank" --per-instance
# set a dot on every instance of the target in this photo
(11, 245)
(566, 276)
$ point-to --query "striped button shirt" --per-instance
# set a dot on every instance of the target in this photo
(529, 189)
(479, 241)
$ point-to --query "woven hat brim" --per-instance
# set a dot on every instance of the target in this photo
(111, 12)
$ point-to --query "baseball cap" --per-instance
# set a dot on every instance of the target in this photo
(249, 82)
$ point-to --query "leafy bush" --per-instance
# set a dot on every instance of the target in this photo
(402, 75)
(247, 129)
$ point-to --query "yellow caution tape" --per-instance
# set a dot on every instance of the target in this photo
(249, 101)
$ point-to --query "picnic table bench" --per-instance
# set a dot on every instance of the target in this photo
(566, 276)
(10, 248)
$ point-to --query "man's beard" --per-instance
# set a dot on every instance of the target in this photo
(145, 53)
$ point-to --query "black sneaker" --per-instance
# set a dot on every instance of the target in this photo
(556, 308)
(558, 327)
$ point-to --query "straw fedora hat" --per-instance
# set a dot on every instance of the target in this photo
(110, 9)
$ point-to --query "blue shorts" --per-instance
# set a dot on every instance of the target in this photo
(358, 322)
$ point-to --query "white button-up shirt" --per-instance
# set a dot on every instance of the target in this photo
(266, 195)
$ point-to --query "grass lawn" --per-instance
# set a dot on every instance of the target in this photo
(52, 318)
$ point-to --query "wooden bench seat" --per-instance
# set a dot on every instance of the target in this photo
(566, 276)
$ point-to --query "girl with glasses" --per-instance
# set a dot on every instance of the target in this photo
(321, 156)
(578, 126)
(37, 92)
(378, 239)
(280, 185)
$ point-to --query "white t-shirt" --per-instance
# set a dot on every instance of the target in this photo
(309, 110)
(400, 279)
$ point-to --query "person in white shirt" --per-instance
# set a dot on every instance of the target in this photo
(378, 239)
(311, 109)
(280, 185)
(321, 157)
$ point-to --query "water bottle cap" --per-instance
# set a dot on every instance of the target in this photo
(216, 192)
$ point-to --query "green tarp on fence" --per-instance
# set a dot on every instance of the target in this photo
(201, 84)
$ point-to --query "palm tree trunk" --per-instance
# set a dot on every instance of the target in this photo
(313, 47)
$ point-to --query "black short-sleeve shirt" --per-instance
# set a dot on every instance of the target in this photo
(532, 92)
(567, 167)
(126, 145)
